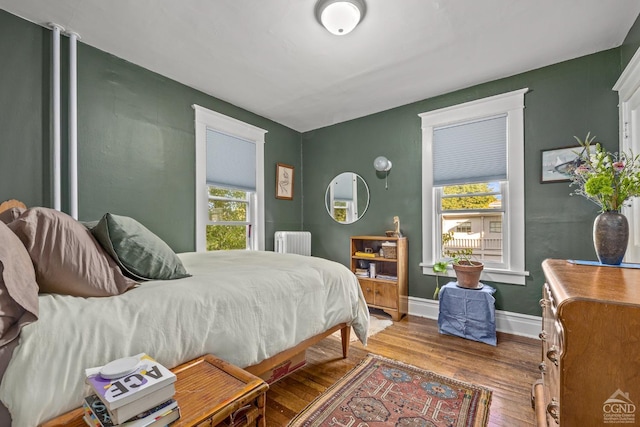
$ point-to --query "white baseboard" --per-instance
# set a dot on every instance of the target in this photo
(506, 321)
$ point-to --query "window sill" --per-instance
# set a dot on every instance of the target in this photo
(511, 277)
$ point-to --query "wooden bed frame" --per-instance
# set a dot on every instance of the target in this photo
(13, 203)
(257, 369)
(272, 362)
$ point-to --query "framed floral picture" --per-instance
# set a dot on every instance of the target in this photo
(559, 163)
(284, 181)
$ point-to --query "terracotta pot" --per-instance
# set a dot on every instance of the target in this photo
(610, 237)
(468, 274)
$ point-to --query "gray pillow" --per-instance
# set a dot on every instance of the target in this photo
(140, 253)
(18, 287)
(68, 260)
(11, 214)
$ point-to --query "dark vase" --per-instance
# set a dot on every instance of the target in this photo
(610, 237)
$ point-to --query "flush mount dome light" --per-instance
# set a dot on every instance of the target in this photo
(340, 17)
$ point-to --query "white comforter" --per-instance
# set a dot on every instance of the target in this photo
(241, 306)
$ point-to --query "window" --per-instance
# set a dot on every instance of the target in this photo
(473, 184)
(229, 183)
(230, 218)
(462, 227)
(466, 212)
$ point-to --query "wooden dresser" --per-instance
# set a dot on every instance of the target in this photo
(590, 337)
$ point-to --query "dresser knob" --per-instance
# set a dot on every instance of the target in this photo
(552, 354)
(543, 335)
(553, 408)
(542, 367)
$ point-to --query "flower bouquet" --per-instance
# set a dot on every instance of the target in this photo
(609, 180)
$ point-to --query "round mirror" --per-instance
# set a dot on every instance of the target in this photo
(347, 198)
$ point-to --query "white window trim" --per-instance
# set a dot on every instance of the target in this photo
(511, 103)
(628, 88)
(204, 119)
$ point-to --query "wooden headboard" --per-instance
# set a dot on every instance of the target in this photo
(13, 203)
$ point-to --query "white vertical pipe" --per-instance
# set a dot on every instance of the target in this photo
(56, 168)
(73, 125)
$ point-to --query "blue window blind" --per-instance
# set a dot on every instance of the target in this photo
(343, 187)
(470, 152)
(231, 161)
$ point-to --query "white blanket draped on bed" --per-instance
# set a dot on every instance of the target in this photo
(241, 306)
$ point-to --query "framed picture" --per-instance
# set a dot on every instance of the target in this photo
(284, 181)
(559, 163)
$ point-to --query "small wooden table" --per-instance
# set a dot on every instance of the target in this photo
(210, 392)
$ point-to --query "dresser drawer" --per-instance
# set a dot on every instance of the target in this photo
(552, 337)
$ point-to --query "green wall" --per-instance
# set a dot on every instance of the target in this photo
(135, 138)
(24, 112)
(631, 43)
(566, 99)
(136, 149)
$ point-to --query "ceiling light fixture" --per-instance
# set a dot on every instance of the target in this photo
(340, 17)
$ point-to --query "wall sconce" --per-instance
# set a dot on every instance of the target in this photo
(340, 17)
(382, 164)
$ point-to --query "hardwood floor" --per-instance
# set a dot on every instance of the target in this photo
(508, 369)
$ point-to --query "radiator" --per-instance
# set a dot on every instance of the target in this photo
(293, 242)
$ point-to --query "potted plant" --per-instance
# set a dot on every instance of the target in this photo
(467, 270)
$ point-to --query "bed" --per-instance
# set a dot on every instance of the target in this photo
(254, 309)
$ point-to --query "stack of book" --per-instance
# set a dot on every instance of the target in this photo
(362, 272)
(131, 392)
(386, 276)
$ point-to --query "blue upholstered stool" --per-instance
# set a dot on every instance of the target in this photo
(468, 313)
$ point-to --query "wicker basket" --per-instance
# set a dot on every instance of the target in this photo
(389, 250)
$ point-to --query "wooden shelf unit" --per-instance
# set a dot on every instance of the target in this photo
(387, 295)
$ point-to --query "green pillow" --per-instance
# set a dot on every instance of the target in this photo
(139, 253)
(89, 225)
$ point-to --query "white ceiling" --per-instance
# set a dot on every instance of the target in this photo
(273, 58)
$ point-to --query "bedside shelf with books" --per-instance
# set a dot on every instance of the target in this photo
(209, 392)
(380, 264)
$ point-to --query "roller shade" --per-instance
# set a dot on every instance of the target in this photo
(343, 187)
(231, 161)
(470, 152)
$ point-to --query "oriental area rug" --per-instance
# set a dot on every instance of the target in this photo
(385, 392)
